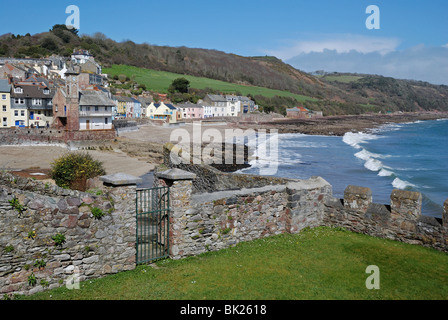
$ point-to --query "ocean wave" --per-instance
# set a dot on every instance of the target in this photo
(356, 139)
(385, 173)
(401, 184)
(373, 165)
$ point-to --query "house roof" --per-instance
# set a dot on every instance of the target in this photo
(4, 86)
(123, 99)
(30, 91)
(301, 109)
(189, 105)
(94, 98)
(170, 106)
(217, 98)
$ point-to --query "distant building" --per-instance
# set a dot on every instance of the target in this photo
(5, 104)
(191, 111)
(81, 110)
(161, 111)
(32, 103)
(302, 113)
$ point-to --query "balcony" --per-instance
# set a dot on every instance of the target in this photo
(95, 113)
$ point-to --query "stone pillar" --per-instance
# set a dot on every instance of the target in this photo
(306, 199)
(181, 189)
(405, 204)
(357, 198)
(445, 214)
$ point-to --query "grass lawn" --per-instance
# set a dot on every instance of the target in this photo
(319, 263)
(159, 81)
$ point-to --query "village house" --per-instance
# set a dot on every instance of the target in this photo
(191, 111)
(136, 109)
(5, 104)
(31, 103)
(81, 110)
(302, 113)
(7, 70)
(145, 102)
(162, 112)
(125, 106)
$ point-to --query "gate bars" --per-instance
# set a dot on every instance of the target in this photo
(152, 214)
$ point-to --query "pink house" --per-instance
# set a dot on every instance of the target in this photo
(191, 111)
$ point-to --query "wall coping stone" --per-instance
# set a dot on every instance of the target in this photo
(120, 179)
(312, 183)
(176, 174)
(207, 197)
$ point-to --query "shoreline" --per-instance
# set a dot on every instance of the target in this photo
(340, 125)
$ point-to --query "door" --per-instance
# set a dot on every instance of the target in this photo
(87, 124)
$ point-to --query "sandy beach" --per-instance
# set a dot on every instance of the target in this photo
(25, 157)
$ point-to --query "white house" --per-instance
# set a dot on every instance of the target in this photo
(95, 110)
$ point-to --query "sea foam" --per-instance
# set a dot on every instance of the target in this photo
(401, 184)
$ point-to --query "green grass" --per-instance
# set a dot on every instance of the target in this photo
(319, 263)
(159, 81)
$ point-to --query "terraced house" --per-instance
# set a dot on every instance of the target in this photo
(163, 112)
(5, 104)
(31, 104)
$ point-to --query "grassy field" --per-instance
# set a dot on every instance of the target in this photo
(159, 81)
(319, 263)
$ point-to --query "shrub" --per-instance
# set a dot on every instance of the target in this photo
(73, 169)
(97, 213)
(59, 239)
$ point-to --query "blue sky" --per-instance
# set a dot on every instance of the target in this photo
(318, 34)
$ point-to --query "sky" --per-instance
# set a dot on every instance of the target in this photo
(330, 35)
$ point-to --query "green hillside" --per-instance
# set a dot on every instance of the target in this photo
(159, 81)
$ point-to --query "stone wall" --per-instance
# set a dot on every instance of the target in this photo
(18, 136)
(401, 220)
(207, 221)
(202, 222)
(93, 247)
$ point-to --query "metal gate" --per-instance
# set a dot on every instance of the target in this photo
(152, 212)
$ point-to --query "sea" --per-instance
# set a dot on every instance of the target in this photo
(408, 156)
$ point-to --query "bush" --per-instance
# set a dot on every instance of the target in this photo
(73, 169)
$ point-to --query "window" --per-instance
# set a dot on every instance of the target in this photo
(16, 113)
(18, 90)
(97, 108)
(56, 108)
(22, 113)
(5, 122)
(106, 121)
(46, 91)
(37, 102)
(19, 101)
(3, 96)
(4, 108)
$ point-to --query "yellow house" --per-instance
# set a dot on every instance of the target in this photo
(161, 111)
(6, 120)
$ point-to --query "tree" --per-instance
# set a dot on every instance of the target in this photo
(180, 85)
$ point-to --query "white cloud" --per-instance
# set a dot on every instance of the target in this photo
(341, 43)
(445, 46)
(417, 63)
